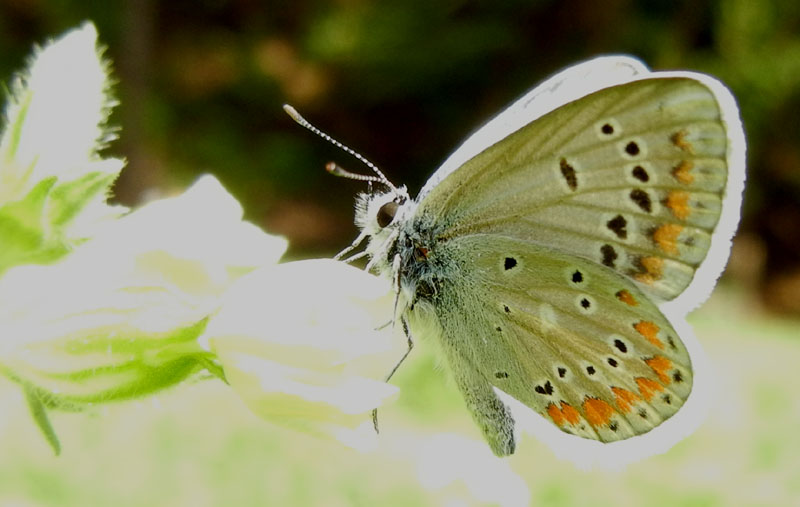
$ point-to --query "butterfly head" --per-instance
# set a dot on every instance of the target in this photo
(380, 217)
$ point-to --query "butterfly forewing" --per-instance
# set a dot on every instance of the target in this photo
(631, 177)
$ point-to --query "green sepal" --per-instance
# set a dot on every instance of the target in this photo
(96, 368)
(24, 234)
(160, 362)
(13, 132)
(212, 367)
(68, 199)
(39, 414)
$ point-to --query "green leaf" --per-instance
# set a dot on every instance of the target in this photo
(68, 199)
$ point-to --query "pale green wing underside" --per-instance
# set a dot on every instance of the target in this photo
(576, 342)
(631, 177)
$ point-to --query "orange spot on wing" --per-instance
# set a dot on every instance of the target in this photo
(570, 414)
(678, 203)
(679, 140)
(598, 412)
(648, 387)
(555, 414)
(666, 237)
(625, 399)
(626, 298)
(683, 172)
(566, 413)
(661, 365)
(650, 331)
(652, 270)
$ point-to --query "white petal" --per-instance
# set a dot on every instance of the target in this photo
(299, 342)
(204, 224)
(64, 100)
(318, 313)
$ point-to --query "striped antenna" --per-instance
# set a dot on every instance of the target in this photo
(332, 167)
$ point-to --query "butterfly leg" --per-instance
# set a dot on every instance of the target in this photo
(408, 351)
(383, 247)
(350, 248)
(396, 366)
(488, 410)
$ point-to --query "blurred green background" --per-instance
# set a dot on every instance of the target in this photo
(403, 82)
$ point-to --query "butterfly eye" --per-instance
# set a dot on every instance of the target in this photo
(386, 213)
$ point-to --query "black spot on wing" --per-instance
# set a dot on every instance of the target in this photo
(671, 342)
(609, 255)
(618, 225)
(642, 199)
(640, 174)
(509, 263)
(569, 174)
(546, 389)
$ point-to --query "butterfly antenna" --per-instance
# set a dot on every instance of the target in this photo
(333, 168)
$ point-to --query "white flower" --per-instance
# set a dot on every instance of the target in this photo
(97, 307)
(304, 344)
(119, 316)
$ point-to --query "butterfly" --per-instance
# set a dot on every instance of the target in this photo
(542, 254)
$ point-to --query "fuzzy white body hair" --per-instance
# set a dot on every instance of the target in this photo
(382, 240)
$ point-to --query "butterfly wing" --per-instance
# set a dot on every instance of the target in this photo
(574, 341)
(635, 177)
(557, 246)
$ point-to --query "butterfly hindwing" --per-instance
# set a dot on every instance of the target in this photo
(571, 339)
(632, 177)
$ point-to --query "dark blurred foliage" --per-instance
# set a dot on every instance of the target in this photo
(202, 83)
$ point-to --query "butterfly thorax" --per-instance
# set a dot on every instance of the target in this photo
(424, 265)
(403, 244)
